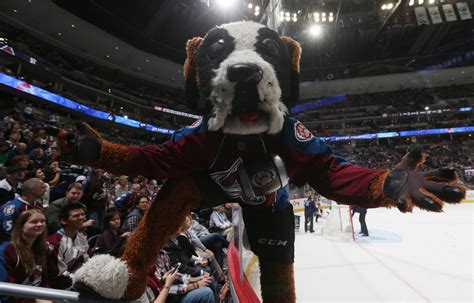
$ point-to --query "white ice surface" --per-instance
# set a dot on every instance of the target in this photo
(418, 257)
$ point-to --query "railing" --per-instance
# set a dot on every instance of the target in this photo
(35, 292)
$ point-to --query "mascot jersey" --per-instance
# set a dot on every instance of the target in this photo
(307, 160)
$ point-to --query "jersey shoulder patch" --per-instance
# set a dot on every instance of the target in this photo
(302, 134)
(302, 139)
(199, 126)
(9, 210)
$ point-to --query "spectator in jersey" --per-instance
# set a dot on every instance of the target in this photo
(70, 247)
(32, 190)
(127, 202)
(309, 210)
(73, 196)
(220, 223)
(362, 213)
(136, 215)
(25, 256)
(10, 187)
(111, 241)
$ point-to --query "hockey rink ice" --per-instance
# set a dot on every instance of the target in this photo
(418, 257)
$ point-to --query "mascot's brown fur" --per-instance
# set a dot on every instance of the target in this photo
(243, 78)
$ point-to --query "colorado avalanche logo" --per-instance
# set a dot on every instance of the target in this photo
(302, 134)
(227, 180)
(263, 178)
(9, 210)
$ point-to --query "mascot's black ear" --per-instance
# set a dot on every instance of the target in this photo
(189, 69)
(294, 49)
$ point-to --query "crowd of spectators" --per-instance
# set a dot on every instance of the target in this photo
(407, 109)
(449, 152)
(80, 212)
(91, 84)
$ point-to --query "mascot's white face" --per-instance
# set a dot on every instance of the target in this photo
(243, 72)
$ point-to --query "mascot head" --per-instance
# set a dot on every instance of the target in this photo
(243, 77)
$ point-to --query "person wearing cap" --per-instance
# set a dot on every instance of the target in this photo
(10, 186)
(4, 149)
(32, 190)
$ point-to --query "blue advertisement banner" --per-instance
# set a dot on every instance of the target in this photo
(65, 102)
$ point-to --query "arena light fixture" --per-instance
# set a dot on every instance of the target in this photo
(225, 4)
(420, 2)
(431, 1)
(384, 7)
(250, 6)
(315, 30)
(411, 3)
(389, 6)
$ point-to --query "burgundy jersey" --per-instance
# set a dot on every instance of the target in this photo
(307, 160)
(16, 273)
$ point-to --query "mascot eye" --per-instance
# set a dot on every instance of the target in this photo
(271, 47)
(216, 49)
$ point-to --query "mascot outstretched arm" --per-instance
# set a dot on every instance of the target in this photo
(243, 77)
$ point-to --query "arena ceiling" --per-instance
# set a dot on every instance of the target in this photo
(358, 36)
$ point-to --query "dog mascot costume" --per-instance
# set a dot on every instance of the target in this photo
(243, 77)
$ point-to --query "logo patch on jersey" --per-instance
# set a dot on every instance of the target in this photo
(263, 178)
(302, 134)
(228, 181)
(9, 210)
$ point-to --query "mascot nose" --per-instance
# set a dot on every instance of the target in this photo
(245, 73)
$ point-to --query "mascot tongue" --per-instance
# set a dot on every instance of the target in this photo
(246, 101)
(249, 116)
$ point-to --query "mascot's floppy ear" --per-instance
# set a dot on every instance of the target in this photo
(189, 69)
(294, 50)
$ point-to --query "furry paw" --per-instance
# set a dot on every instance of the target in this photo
(104, 274)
